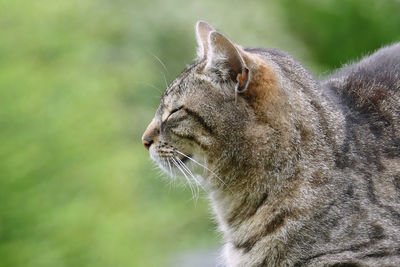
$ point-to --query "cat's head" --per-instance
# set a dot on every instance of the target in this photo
(226, 111)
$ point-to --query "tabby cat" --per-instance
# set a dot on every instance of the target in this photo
(299, 172)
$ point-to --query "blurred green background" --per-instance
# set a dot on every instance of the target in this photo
(80, 80)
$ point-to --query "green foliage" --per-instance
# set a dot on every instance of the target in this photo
(77, 187)
(338, 31)
(79, 82)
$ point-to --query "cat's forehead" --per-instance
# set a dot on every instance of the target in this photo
(186, 77)
(174, 97)
(168, 103)
(180, 87)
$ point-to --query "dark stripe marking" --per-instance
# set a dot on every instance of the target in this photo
(199, 119)
(246, 209)
(277, 222)
(191, 138)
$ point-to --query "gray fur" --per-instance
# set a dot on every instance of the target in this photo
(299, 172)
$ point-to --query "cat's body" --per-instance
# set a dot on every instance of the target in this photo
(299, 173)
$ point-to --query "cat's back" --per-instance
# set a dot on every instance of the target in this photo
(368, 94)
(371, 87)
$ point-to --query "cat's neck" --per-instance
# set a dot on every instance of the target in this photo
(252, 216)
(267, 199)
(244, 197)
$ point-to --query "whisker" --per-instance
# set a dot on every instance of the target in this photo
(159, 60)
(153, 86)
(163, 65)
(190, 172)
(187, 169)
(187, 178)
(158, 89)
(197, 183)
(169, 167)
(205, 167)
(165, 80)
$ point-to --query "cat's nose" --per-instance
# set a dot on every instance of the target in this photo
(147, 142)
(151, 134)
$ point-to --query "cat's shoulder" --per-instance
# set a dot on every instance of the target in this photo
(371, 85)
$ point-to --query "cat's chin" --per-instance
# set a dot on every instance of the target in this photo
(180, 165)
(162, 162)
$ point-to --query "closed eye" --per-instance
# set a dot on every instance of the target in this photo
(163, 124)
(191, 113)
(173, 111)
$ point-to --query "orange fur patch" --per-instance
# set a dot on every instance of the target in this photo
(263, 87)
(264, 94)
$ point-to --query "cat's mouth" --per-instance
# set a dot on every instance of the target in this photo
(172, 161)
(182, 167)
(176, 161)
(185, 159)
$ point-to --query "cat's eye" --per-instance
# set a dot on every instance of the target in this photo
(174, 111)
(164, 123)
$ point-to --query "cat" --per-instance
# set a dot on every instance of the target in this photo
(299, 172)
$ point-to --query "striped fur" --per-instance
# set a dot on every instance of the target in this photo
(298, 172)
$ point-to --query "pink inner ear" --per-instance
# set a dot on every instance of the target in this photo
(242, 79)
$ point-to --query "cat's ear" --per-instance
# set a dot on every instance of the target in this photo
(227, 59)
(203, 30)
